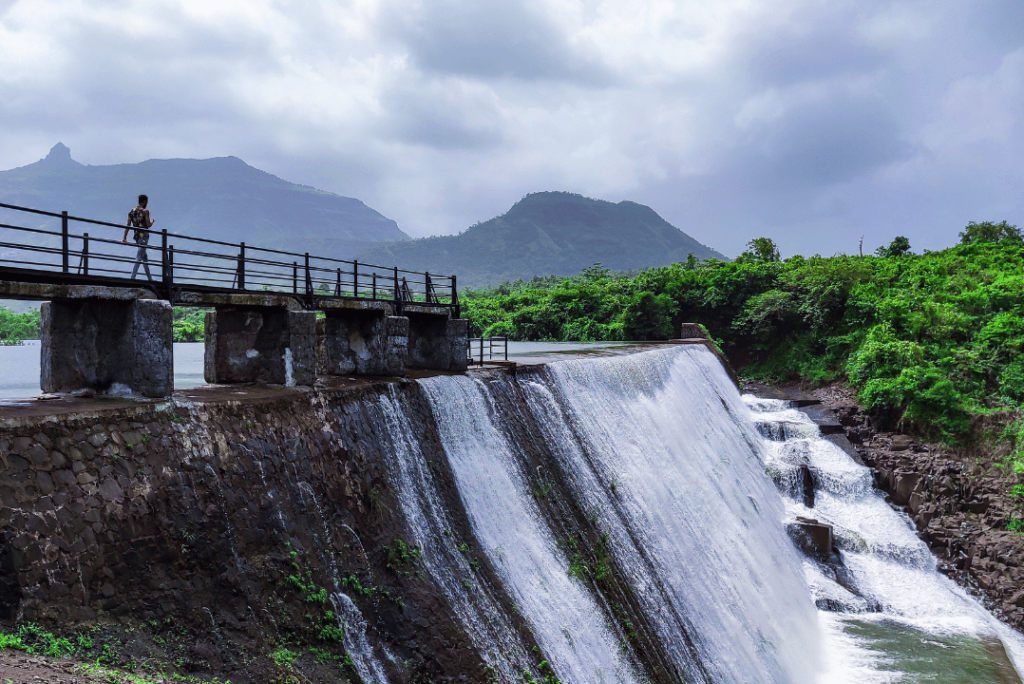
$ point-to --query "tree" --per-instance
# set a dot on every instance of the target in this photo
(898, 247)
(648, 317)
(761, 249)
(987, 231)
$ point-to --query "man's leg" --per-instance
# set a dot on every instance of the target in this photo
(145, 262)
(139, 256)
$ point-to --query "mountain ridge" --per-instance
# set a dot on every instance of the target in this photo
(548, 233)
(221, 198)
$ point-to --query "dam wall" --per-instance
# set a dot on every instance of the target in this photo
(231, 516)
(588, 521)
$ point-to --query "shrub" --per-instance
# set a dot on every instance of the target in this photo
(648, 317)
(16, 328)
(898, 247)
(987, 231)
(882, 355)
(920, 398)
(188, 325)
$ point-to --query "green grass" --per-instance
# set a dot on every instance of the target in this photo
(284, 657)
(401, 557)
(31, 638)
(115, 676)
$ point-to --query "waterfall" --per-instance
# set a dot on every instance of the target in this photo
(660, 447)
(888, 615)
(657, 457)
(430, 531)
(567, 622)
(661, 443)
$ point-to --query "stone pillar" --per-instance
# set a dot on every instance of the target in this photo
(457, 332)
(362, 342)
(692, 331)
(260, 344)
(302, 345)
(437, 342)
(104, 344)
(398, 344)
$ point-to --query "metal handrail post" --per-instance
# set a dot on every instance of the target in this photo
(337, 285)
(241, 266)
(309, 283)
(398, 301)
(355, 278)
(64, 239)
(456, 308)
(164, 273)
(374, 285)
(83, 264)
(295, 277)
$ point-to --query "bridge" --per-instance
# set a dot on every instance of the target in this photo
(274, 316)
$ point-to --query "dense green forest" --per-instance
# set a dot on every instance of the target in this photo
(929, 340)
(15, 328)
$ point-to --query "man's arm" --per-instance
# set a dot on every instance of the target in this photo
(128, 223)
(149, 221)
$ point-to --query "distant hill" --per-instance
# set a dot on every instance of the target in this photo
(222, 198)
(547, 233)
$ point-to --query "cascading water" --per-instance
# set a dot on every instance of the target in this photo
(566, 620)
(658, 443)
(430, 529)
(896, 618)
(672, 470)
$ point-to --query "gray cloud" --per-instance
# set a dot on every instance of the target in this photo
(813, 123)
(488, 40)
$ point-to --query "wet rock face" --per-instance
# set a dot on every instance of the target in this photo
(210, 531)
(959, 501)
(812, 537)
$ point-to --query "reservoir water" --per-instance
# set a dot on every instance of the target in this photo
(19, 364)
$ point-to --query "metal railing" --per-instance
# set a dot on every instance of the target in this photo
(481, 348)
(182, 263)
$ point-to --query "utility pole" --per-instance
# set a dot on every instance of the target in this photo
(860, 247)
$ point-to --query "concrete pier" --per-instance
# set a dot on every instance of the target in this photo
(96, 338)
(94, 343)
(437, 342)
(260, 344)
(353, 342)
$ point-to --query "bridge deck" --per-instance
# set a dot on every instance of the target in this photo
(46, 255)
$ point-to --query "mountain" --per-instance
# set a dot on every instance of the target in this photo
(547, 233)
(222, 199)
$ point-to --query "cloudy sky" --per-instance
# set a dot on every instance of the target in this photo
(813, 122)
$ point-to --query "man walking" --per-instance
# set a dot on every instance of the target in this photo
(139, 218)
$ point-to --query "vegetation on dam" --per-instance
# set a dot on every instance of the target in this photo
(929, 340)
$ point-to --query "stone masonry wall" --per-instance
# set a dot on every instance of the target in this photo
(217, 524)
